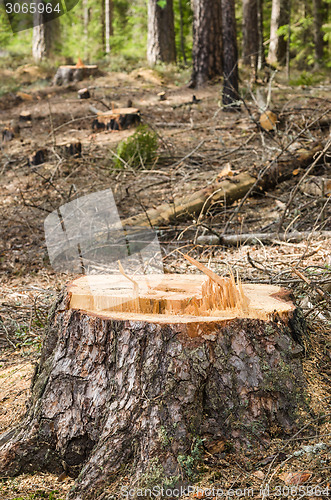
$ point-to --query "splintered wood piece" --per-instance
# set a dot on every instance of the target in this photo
(229, 296)
(204, 269)
(135, 284)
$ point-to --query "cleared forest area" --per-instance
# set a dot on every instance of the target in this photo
(165, 187)
(199, 145)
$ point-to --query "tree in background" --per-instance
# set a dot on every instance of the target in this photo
(280, 16)
(161, 45)
(207, 41)
(318, 33)
(230, 53)
(45, 34)
(261, 55)
(250, 52)
(107, 25)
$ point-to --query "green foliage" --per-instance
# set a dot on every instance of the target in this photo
(189, 462)
(302, 42)
(162, 3)
(163, 437)
(307, 78)
(187, 16)
(139, 150)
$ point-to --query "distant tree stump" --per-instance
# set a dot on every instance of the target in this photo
(136, 371)
(68, 74)
(70, 149)
(117, 119)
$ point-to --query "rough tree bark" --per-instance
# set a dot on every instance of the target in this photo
(117, 388)
(207, 41)
(45, 34)
(250, 34)
(41, 37)
(280, 15)
(230, 54)
(261, 56)
(161, 46)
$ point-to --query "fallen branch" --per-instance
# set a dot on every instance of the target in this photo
(227, 191)
(254, 238)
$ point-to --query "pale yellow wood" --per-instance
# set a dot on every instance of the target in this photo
(176, 298)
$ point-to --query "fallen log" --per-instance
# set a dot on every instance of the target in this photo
(136, 371)
(227, 191)
(255, 238)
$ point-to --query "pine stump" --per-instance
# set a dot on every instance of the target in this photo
(140, 370)
(117, 119)
(68, 74)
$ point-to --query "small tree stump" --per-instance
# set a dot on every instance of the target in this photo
(83, 94)
(134, 370)
(38, 157)
(70, 149)
(68, 74)
(25, 116)
(117, 119)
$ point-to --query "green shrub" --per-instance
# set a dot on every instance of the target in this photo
(139, 150)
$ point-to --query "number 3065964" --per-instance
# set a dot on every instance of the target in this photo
(32, 8)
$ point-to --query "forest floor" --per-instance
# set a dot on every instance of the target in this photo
(198, 144)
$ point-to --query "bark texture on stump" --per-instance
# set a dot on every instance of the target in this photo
(111, 391)
(207, 41)
(161, 46)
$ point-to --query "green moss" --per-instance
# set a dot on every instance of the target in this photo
(190, 462)
(163, 436)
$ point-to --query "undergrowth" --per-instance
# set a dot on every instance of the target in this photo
(139, 150)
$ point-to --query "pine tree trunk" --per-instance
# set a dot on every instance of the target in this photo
(115, 388)
(86, 23)
(108, 23)
(318, 34)
(207, 41)
(161, 46)
(261, 56)
(40, 38)
(182, 39)
(230, 54)
(250, 34)
(280, 15)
